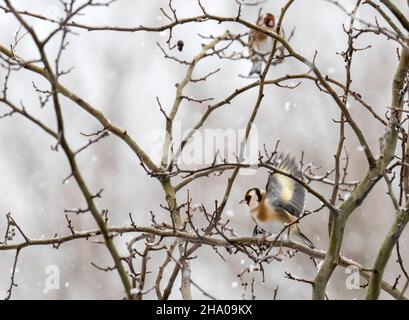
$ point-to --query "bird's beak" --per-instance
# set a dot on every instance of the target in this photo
(242, 201)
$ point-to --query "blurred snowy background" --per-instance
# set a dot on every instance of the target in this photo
(121, 74)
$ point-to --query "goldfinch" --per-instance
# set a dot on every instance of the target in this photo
(259, 43)
(281, 203)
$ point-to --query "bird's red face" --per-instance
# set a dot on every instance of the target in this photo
(252, 197)
(269, 20)
(246, 200)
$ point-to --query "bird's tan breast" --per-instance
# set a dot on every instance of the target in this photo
(264, 213)
(273, 221)
(259, 36)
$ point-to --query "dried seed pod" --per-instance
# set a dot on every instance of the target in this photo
(180, 45)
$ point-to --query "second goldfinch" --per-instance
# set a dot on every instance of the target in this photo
(260, 44)
(281, 203)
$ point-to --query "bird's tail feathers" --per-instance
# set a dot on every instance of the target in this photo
(256, 67)
(307, 241)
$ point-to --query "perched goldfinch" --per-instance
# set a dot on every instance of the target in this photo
(281, 203)
(259, 43)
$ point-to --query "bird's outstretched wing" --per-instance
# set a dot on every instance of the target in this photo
(284, 192)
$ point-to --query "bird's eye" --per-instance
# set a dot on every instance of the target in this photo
(247, 198)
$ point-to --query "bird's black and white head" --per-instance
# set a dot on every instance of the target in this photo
(253, 197)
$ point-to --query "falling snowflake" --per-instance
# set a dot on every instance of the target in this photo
(287, 106)
(230, 213)
(234, 284)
